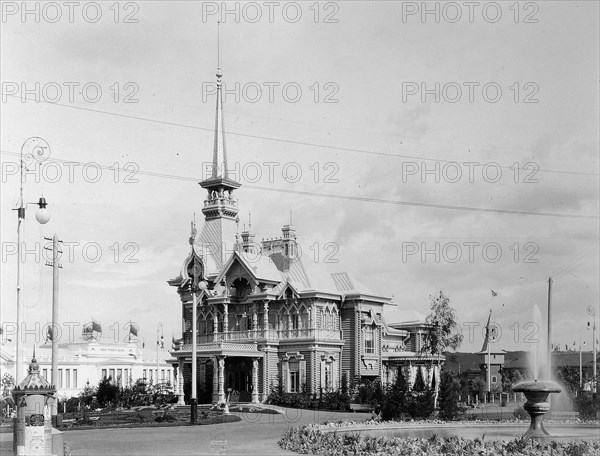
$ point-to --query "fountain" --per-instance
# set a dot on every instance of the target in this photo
(536, 405)
(535, 391)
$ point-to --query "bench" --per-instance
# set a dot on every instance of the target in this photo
(564, 415)
(362, 408)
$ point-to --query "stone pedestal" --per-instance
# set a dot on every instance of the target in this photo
(537, 405)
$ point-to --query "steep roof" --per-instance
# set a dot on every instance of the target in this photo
(395, 317)
(304, 276)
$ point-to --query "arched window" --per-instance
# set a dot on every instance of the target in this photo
(369, 335)
(303, 318)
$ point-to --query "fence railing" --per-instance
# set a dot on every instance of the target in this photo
(271, 335)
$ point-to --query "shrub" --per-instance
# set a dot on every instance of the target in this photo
(420, 404)
(85, 418)
(144, 416)
(72, 405)
(369, 392)
(165, 418)
(335, 400)
(587, 404)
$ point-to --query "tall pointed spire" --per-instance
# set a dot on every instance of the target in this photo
(219, 165)
(486, 341)
(220, 209)
(219, 181)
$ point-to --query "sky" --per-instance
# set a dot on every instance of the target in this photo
(452, 150)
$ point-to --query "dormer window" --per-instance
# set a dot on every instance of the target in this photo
(241, 288)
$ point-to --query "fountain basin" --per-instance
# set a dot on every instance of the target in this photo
(537, 405)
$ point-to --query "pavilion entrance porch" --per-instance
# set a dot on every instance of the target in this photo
(236, 376)
(220, 366)
(238, 379)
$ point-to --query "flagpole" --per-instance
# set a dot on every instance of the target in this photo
(489, 366)
(580, 364)
(549, 346)
(194, 398)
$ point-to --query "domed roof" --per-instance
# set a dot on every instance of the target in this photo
(34, 381)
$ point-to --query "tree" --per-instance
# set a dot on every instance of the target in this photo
(442, 333)
(107, 392)
(477, 386)
(394, 401)
(442, 322)
(87, 395)
(449, 393)
(569, 376)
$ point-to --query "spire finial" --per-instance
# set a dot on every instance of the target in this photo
(290, 217)
(249, 221)
(219, 151)
(193, 231)
(219, 74)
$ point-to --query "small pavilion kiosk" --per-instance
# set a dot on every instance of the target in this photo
(33, 433)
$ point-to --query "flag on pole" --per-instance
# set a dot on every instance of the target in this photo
(494, 294)
(133, 329)
(96, 326)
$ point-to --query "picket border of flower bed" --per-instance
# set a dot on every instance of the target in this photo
(374, 424)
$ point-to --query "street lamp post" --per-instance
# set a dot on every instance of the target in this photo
(159, 343)
(37, 147)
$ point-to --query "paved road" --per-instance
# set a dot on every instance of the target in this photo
(256, 434)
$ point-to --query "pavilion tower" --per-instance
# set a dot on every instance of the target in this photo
(220, 209)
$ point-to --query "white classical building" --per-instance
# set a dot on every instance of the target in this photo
(83, 362)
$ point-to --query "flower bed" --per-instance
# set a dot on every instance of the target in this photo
(312, 439)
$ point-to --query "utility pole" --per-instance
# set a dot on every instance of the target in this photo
(549, 341)
(54, 372)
